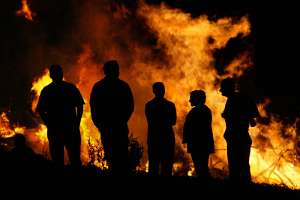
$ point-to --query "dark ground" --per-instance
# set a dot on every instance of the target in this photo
(33, 174)
(276, 36)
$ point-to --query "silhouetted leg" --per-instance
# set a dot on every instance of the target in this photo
(244, 164)
(120, 155)
(233, 162)
(203, 161)
(197, 165)
(56, 148)
(153, 157)
(166, 167)
(106, 141)
(153, 167)
(201, 165)
(167, 160)
(73, 149)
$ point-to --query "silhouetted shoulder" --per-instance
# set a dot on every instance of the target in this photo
(206, 109)
(74, 93)
(170, 103)
(99, 83)
(106, 82)
(123, 82)
(64, 91)
(124, 85)
(47, 88)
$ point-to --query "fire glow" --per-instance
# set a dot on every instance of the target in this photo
(25, 11)
(190, 66)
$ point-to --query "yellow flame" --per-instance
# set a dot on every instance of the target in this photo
(185, 39)
(89, 132)
(189, 49)
(5, 127)
(37, 87)
(186, 42)
(19, 130)
(25, 11)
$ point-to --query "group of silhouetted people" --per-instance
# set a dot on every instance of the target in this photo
(111, 101)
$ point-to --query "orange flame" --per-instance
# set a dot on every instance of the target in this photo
(190, 66)
(89, 134)
(25, 11)
(5, 127)
(186, 43)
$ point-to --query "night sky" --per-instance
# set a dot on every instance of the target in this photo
(275, 37)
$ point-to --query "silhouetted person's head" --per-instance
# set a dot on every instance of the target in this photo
(20, 140)
(197, 97)
(227, 87)
(158, 89)
(56, 73)
(111, 69)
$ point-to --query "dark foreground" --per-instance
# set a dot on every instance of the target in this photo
(22, 172)
(40, 176)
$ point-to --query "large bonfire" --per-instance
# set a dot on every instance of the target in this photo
(188, 44)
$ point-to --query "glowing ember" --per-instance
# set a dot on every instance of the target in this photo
(5, 128)
(25, 11)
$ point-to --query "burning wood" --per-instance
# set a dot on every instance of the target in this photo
(189, 50)
(5, 128)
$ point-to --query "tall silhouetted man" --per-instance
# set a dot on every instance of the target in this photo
(60, 107)
(161, 116)
(197, 133)
(240, 112)
(112, 105)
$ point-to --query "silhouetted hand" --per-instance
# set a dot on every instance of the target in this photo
(252, 122)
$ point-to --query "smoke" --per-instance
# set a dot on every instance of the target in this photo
(194, 51)
(81, 35)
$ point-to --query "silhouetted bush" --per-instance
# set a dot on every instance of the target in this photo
(96, 153)
(135, 153)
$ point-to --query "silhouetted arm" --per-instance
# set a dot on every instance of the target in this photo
(147, 113)
(79, 110)
(44, 117)
(173, 115)
(185, 132)
(130, 103)
(254, 113)
(93, 98)
(211, 138)
(186, 129)
(78, 105)
(41, 108)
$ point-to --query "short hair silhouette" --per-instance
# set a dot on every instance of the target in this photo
(111, 68)
(158, 89)
(198, 97)
(228, 84)
(56, 72)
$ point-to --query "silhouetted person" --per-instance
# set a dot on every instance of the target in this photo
(23, 160)
(161, 116)
(197, 133)
(60, 107)
(21, 154)
(240, 112)
(112, 104)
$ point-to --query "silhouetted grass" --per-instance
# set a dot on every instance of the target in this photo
(36, 167)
